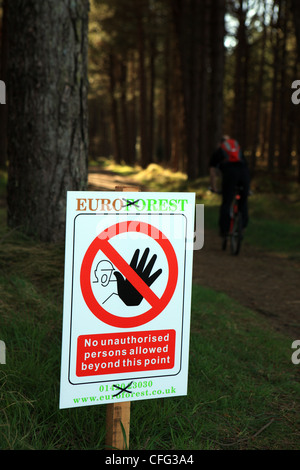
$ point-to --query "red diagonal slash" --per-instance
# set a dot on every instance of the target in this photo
(128, 272)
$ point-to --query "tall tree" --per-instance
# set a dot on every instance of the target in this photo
(116, 138)
(275, 89)
(187, 15)
(295, 7)
(204, 90)
(47, 118)
(199, 28)
(257, 112)
(218, 62)
(241, 77)
(143, 104)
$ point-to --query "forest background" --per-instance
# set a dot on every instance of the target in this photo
(149, 81)
(168, 78)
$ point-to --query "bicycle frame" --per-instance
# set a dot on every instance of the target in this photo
(234, 211)
(235, 230)
(235, 227)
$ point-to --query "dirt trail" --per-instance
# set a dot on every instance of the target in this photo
(263, 282)
(266, 283)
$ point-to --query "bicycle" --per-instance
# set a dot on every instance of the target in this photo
(235, 234)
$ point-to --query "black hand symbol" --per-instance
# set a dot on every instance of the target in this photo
(126, 291)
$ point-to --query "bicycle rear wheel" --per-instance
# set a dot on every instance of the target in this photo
(224, 243)
(236, 235)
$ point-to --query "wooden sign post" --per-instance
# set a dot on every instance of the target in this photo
(118, 425)
(118, 414)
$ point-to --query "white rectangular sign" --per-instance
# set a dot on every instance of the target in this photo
(127, 296)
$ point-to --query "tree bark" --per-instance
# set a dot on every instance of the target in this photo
(186, 15)
(124, 113)
(47, 115)
(241, 79)
(283, 100)
(274, 109)
(152, 77)
(168, 104)
(143, 104)
(132, 125)
(258, 105)
(295, 8)
(218, 63)
(116, 140)
(204, 89)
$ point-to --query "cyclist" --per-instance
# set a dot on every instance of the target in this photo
(230, 161)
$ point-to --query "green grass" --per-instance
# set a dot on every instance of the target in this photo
(243, 389)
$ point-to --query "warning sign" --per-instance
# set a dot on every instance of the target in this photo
(128, 269)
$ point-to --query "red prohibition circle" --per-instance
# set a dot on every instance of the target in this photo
(101, 242)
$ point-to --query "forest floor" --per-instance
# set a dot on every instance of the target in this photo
(267, 283)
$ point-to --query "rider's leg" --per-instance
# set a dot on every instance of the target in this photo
(228, 191)
(244, 181)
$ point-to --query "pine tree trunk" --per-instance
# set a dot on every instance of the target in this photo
(258, 105)
(47, 118)
(143, 105)
(283, 100)
(114, 110)
(186, 18)
(124, 113)
(204, 89)
(274, 109)
(168, 108)
(295, 8)
(241, 87)
(152, 77)
(218, 63)
(132, 126)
